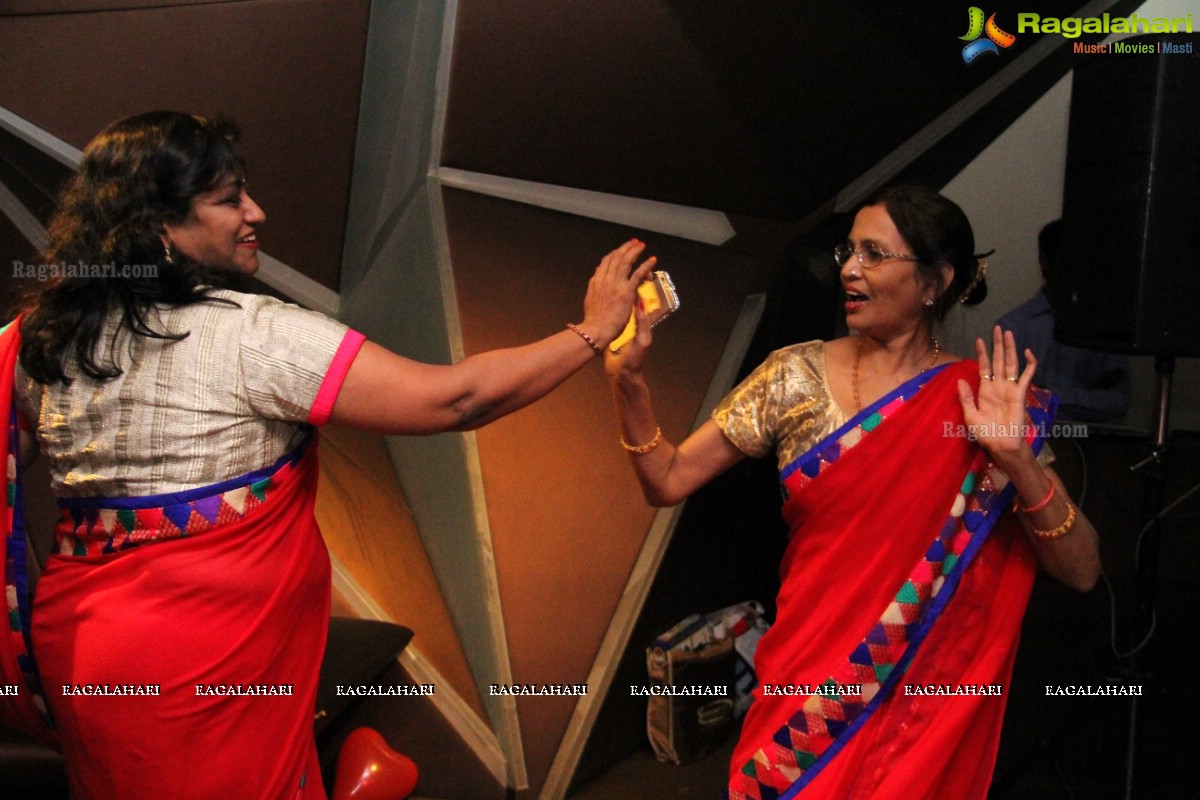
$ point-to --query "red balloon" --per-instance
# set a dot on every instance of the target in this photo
(368, 769)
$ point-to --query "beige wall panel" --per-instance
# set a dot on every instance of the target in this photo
(567, 517)
(368, 528)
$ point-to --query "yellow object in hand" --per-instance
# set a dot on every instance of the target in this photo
(658, 298)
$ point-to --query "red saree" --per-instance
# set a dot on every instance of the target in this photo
(904, 580)
(179, 638)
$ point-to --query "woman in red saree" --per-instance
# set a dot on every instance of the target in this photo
(906, 574)
(179, 625)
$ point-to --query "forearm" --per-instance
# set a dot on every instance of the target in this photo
(1073, 557)
(639, 427)
(1066, 543)
(668, 473)
(388, 393)
(499, 382)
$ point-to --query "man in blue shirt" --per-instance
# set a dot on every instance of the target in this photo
(1091, 385)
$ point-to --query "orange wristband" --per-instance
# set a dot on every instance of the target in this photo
(1045, 501)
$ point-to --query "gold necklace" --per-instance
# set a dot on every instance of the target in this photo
(937, 351)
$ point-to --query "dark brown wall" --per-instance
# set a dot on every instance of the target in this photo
(288, 70)
(763, 109)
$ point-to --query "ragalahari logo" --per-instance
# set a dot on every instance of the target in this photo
(976, 27)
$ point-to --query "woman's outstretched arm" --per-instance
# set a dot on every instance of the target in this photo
(389, 393)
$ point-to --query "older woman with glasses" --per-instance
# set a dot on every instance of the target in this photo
(919, 500)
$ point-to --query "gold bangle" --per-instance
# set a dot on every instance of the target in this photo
(642, 449)
(1061, 530)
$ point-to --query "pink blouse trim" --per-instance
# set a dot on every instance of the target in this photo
(332, 384)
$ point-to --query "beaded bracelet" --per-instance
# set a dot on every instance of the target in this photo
(1061, 530)
(1036, 507)
(642, 449)
(597, 349)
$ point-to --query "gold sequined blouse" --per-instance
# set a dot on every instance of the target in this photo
(784, 404)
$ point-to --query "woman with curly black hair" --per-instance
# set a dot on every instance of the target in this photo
(178, 417)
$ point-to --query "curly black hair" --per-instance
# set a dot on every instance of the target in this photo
(136, 175)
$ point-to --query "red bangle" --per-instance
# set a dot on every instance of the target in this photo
(597, 349)
(1039, 506)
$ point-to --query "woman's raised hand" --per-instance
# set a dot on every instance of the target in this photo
(612, 291)
(997, 416)
(632, 357)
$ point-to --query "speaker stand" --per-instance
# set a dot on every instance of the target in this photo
(1146, 552)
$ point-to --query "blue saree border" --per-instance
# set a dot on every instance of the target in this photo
(188, 495)
(905, 391)
(16, 567)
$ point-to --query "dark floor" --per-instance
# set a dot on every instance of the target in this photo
(640, 776)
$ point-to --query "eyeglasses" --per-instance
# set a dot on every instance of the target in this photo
(869, 256)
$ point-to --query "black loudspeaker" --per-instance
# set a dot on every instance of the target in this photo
(1128, 280)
